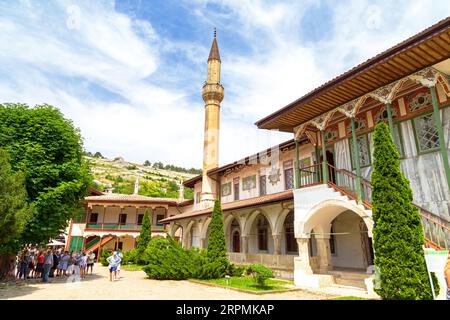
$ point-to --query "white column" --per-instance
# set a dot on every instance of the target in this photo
(302, 261)
(277, 243)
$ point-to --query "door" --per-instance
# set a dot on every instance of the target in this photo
(236, 242)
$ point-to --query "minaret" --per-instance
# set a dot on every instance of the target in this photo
(212, 95)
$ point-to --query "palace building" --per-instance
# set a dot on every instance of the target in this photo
(303, 207)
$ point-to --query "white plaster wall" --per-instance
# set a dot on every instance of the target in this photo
(78, 229)
(349, 253)
(197, 188)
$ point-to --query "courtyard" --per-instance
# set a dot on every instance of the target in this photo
(133, 285)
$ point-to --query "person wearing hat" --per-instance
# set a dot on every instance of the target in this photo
(113, 261)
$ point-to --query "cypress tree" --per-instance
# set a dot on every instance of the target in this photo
(217, 247)
(217, 262)
(146, 234)
(397, 233)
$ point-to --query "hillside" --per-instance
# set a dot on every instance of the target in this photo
(119, 176)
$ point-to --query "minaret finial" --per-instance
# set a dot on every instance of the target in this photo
(215, 32)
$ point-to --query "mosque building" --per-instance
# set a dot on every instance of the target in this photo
(303, 207)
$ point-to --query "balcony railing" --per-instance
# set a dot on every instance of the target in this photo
(119, 226)
(436, 229)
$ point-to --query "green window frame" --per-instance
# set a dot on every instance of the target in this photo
(427, 139)
(365, 139)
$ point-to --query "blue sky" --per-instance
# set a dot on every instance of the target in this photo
(129, 73)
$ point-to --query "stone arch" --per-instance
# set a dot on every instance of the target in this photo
(187, 232)
(320, 216)
(204, 228)
(174, 227)
(280, 221)
(251, 219)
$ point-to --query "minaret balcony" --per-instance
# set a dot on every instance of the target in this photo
(212, 93)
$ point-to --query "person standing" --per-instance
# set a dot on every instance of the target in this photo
(55, 264)
(24, 261)
(31, 266)
(48, 263)
(83, 265)
(70, 263)
(90, 261)
(40, 264)
(113, 261)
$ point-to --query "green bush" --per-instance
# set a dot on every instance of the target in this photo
(436, 286)
(236, 271)
(166, 259)
(130, 257)
(260, 274)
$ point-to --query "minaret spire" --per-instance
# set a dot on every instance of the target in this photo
(214, 52)
(212, 95)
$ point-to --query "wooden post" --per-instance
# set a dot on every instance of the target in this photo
(357, 164)
(297, 168)
(69, 237)
(324, 158)
(391, 123)
(99, 248)
(442, 145)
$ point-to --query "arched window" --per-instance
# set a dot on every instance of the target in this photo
(235, 236)
(262, 226)
(236, 241)
(291, 242)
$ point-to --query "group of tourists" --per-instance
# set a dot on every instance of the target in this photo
(53, 263)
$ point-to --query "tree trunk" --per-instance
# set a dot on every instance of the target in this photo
(6, 263)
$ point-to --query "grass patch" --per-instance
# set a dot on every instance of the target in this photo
(247, 283)
(349, 298)
(131, 267)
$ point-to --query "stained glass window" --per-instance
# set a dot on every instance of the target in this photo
(426, 133)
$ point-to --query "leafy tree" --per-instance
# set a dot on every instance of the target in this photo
(48, 150)
(147, 163)
(98, 155)
(217, 248)
(398, 235)
(188, 193)
(14, 209)
(146, 233)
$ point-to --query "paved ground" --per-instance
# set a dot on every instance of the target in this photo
(134, 285)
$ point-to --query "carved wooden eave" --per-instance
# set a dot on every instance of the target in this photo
(427, 77)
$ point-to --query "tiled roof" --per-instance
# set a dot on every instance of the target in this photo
(117, 197)
(240, 204)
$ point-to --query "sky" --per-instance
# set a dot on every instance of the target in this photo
(129, 73)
